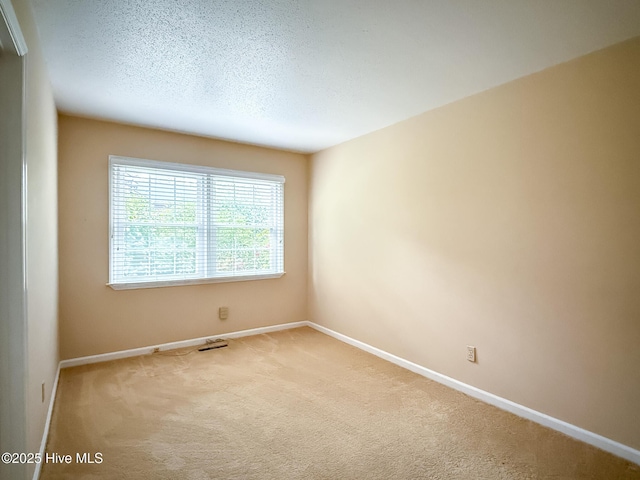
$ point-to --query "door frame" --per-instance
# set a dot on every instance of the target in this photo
(13, 217)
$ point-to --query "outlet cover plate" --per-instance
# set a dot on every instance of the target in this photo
(471, 353)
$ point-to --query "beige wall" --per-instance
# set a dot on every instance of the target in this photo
(509, 220)
(96, 319)
(42, 232)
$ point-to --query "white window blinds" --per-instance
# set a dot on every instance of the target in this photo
(174, 224)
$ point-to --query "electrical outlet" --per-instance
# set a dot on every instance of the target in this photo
(471, 353)
(223, 313)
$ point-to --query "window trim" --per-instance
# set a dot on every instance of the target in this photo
(194, 281)
(189, 168)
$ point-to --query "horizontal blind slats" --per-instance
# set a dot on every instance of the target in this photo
(170, 225)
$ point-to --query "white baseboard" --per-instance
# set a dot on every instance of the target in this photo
(134, 352)
(578, 433)
(143, 351)
(47, 424)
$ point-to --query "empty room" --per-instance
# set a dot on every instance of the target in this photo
(276, 239)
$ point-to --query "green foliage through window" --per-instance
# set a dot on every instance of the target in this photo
(170, 224)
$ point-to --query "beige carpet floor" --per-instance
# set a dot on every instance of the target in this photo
(296, 404)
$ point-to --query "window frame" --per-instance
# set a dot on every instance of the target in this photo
(209, 246)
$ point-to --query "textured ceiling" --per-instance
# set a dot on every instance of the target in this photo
(304, 75)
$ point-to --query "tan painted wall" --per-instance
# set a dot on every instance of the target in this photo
(42, 232)
(509, 220)
(96, 319)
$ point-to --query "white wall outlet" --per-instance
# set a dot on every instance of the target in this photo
(223, 313)
(471, 353)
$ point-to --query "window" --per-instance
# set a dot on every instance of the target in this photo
(175, 224)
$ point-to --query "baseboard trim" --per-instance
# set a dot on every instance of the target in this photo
(573, 431)
(47, 424)
(543, 419)
(134, 352)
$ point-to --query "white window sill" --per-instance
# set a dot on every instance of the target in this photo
(195, 281)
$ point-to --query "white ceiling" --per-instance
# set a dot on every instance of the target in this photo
(304, 75)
